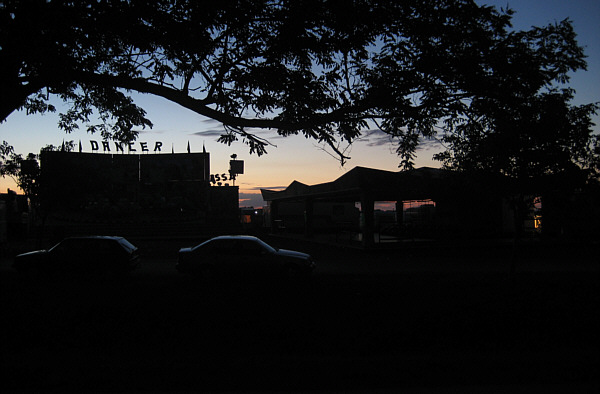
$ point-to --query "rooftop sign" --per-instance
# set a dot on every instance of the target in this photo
(120, 146)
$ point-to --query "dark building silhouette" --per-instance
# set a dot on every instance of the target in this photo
(429, 203)
(95, 192)
(14, 212)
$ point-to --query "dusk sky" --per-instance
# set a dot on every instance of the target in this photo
(295, 158)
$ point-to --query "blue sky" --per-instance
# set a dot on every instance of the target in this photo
(295, 158)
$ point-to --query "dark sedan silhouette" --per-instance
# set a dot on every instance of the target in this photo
(243, 255)
(81, 255)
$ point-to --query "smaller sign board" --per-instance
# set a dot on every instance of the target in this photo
(236, 166)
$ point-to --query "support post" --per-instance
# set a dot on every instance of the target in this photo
(308, 217)
(274, 216)
(367, 207)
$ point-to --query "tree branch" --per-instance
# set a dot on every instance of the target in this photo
(200, 106)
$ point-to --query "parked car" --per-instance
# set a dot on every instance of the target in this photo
(81, 255)
(243, 255)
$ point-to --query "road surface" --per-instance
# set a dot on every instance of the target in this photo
(367, 321)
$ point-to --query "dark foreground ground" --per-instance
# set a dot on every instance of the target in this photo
(408, 321)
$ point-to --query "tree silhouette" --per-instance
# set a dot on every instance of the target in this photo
(526, 145)
(25, 171)
(526, 148)
(328, 70)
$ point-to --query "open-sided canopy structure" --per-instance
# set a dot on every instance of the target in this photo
(367, 183)
(459, 201)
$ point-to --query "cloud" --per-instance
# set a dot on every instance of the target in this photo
(376, 137)
(210, 121)
(257, 188)
(251, 200)
(209, 133)
(152, 131)
(427, 144)
(217, 132)
(370, 138)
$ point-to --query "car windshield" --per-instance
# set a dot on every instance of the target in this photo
(78, 243)
(127, 245)
(64, 244)
(266, 246)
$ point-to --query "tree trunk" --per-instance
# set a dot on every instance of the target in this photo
(519, 213)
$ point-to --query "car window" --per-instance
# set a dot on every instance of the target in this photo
(218, 246)
(105, 246)
(73, 248)
(66, 246)
(234, 247)
(82, 246)
(251, 248)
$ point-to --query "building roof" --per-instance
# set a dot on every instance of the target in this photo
(381, 185)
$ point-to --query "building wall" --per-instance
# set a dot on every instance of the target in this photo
(123, 184)
(139, 188)
(327, 216)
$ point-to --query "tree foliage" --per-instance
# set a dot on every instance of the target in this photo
(525, 147)
(25, 171)
(527, 127)
(328, 70)
(526, 140)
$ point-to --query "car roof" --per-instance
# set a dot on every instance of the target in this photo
(120, 240)
(250, 238)
(109, 237)
(245, 237)
(229, 238)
